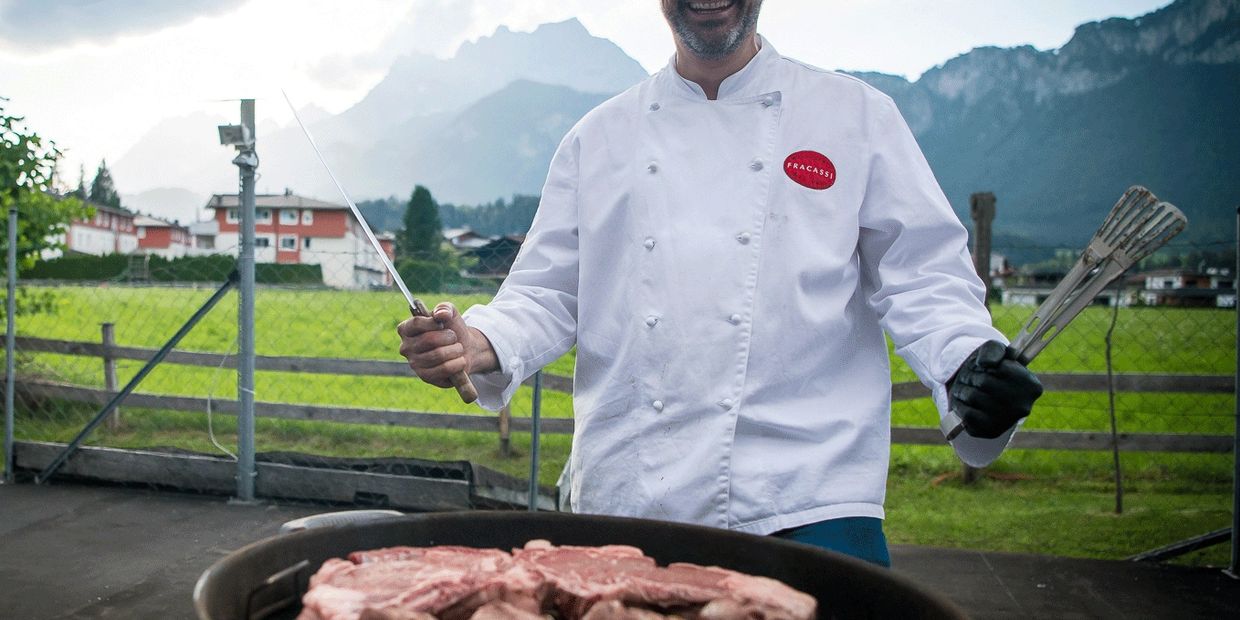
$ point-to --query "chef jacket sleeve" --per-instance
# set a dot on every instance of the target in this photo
(532, 320)
(920, 279)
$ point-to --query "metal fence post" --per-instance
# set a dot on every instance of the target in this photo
(505, 432)
(10, 335)
(246, 161)
(109, 370)
(1234, 569)
(535, 435)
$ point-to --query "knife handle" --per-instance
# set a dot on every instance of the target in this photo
(464, 387)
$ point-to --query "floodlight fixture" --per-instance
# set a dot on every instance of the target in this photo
(236, 135)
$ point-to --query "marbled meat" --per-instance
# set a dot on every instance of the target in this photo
(538, 581)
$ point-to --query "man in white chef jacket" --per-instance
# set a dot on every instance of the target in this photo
(725, 244)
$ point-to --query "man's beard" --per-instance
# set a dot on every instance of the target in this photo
(708, 46)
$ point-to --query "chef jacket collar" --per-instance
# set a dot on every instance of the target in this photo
(747, 82)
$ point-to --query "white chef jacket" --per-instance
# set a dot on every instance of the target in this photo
(731, 366)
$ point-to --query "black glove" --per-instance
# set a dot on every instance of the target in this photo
(992, 391)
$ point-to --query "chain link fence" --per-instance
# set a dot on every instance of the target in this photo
(340, 420)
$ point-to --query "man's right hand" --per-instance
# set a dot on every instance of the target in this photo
(442, 345)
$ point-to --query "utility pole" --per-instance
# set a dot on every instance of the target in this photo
(10, 374)
(243, 137)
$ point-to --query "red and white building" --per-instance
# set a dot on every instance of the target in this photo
(162, 238)
(110, 231)
(294, 230)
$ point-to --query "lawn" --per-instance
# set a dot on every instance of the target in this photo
(1039, 501)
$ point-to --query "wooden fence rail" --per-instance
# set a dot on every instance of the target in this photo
(1058, 440)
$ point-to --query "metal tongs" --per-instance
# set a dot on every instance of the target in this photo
(1137, 225)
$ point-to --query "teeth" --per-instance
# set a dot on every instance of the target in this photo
(709, 6)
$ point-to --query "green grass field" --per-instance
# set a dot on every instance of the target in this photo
(1038, 501)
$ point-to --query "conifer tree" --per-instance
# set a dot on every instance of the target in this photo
(102, 189)
(423, 231)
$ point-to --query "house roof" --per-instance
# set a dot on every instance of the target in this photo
(273, 201)
(205, 228)
(154, 222)
(122, 211)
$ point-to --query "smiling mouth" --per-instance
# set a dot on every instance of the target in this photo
(712, 7)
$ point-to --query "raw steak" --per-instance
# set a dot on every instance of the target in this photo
(610, 582)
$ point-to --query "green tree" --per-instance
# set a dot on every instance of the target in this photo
(422, 236)
(27, 168)
(102, 189)
(80, 193)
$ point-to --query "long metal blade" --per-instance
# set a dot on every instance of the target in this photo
(414, 304)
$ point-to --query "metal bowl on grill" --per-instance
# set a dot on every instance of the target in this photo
(266, 579)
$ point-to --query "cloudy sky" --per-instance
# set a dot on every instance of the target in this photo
(94, 75)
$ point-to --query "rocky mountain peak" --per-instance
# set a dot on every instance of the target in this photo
(562, 53)
(1098, 54)
(1203, 31)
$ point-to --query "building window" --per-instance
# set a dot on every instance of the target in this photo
(307, 217)
(232, 217)
(264, 216)
(262, 241)
(142, 232)
(288, 216)
(305, 243)
(288, 242)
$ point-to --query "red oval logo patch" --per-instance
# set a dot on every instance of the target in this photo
(811, 169)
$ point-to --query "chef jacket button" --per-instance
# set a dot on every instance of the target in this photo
(768, 102)
(649, 243)
(652, 167)
(743, 238)
(658, 405)
(726, 403)
(735, 319)
(654, 107)
(756, 165)
(652, 320)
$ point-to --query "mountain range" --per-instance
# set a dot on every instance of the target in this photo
(1057, 135)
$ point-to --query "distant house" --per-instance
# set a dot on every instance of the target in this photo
(1028, 287)
(1224, 281)
(161, 237)
(110, 231)
(1187, 288)
(464, 238)
(1162, 287)
(294, 230)
(494, 259)
(204, 234)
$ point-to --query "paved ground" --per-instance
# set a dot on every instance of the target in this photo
(75, 551)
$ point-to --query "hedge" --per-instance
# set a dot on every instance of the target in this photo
(185, 269)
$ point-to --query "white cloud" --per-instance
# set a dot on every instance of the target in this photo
(95, 97)
(41, 26)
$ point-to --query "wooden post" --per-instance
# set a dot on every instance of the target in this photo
(109, 371)
(982, 209)
(505, 445)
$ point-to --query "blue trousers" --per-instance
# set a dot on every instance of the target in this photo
(860, 537)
